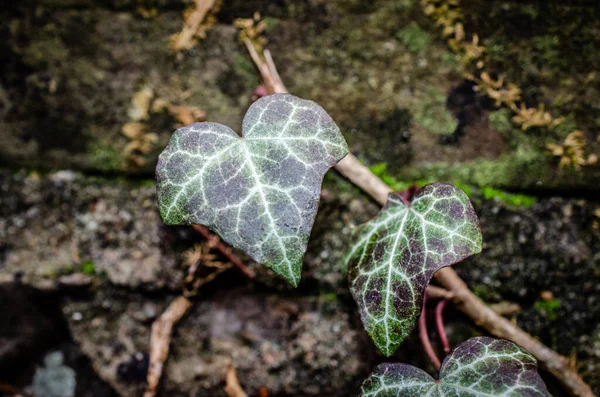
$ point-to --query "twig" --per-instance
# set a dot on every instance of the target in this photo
(232, 385)
(471, 305)
(278, 85)
(160, 338)
(505, 308)
(226, 251)
(424, 336)
(201, 255)
(263, 68)
(197, 282)
(185, 39)
(464, 299)
(439, 323)
(434, 292)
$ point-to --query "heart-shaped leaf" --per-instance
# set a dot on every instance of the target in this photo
(259, 193)
(481, 366)
(393, 257)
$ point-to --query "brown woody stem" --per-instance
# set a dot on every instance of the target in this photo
(160, 339)
(223, 249)
(465, 300)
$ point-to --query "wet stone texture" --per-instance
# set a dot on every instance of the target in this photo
(547, 259)
(62, 223)
(379, 68)
(73, 68)
(305, 341)
(292, 346)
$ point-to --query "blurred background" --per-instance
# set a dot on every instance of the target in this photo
(498, 97)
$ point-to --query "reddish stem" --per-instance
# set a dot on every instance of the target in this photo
(223, 249)
(439, 323)
(425, 338)
(409, 194)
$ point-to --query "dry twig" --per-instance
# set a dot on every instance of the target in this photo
(160, 338)
(464, 299)
(434, 292)
(198, 19)
(226, 251)
(197, 257)
(232, 385)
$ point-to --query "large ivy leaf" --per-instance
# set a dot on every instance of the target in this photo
(481, 366)
(260, 193)
(393, 257)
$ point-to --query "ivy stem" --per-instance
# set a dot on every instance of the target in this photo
(424, 335)
(439, 323)
(463, 298)
(226, 251)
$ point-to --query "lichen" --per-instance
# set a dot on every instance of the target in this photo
(414, 38)
(431, 113)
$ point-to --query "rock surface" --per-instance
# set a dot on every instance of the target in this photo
(293, 342)
(108, 266)
(76, 68)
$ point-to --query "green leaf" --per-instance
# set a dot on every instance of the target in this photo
(393, 257)
(481, 366)
(259, 193)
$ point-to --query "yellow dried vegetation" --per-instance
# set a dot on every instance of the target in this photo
(535, 117)
(596, 224)
(197, 19)
(203, 267)
(137, 130)
(252, 29)
(504, 94)
(572, 151)
(145, 10)
(448, 15)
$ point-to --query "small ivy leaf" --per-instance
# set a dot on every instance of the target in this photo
(393, 257)
(480, 366)
(260, 193)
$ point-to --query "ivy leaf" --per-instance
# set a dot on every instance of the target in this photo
(480, 366)
(394, 256)
(260, 193)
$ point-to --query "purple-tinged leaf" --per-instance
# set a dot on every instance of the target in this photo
(393, 257)
(259, 193)
(481, 366)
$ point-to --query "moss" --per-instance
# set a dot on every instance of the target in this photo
(414, 38)
(145, 183)
(88, 268)
(500, 120)
(489, 193)
(430, 112)
(548, 307)
(547, 50)
(270, 23)
(325, 296)
(526, 167)
(380, 170)
(104, 156)
(482, 291)
(244, 68)
(515, 200)
(568, 125)
(334, 181)
(465, 188)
